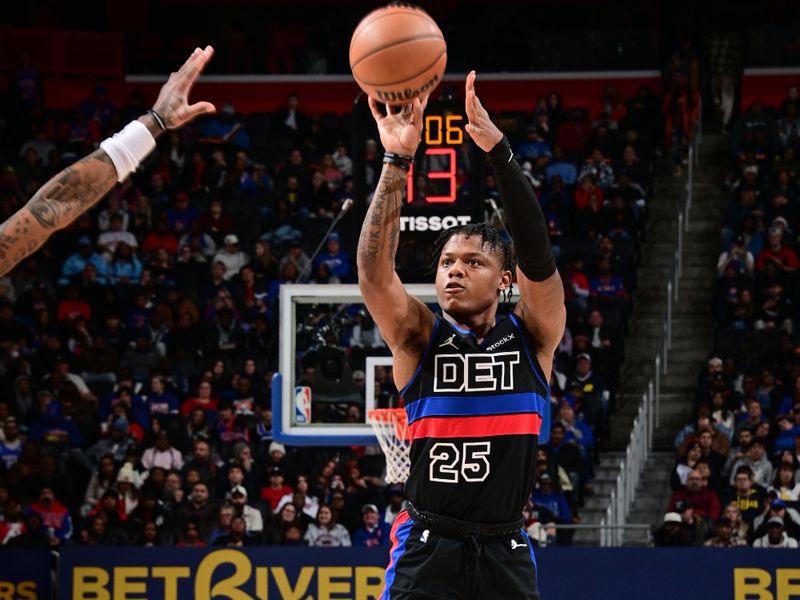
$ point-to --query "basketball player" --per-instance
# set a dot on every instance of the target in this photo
(81, 185)
(475, 385)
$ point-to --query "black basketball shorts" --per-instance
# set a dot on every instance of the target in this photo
(426, 566)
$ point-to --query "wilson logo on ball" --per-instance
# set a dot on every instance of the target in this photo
(405, 95)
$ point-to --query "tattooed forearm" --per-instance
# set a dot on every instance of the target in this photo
(57, 203)
(380, 233)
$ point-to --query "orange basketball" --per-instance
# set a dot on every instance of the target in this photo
(398, 53)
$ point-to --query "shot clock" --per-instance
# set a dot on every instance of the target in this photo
(444, 186)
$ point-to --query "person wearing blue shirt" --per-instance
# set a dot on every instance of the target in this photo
(546, 494)
(562, 168)
(226, 128)
(11, 447)
(125, 268)
(182, 215)
(374, 532)
(575, 430)
(159, 403)
(75, 264)
(534, 145)
(337, 261)
(54, 429)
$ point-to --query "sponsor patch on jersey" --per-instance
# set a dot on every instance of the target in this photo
(500, 342)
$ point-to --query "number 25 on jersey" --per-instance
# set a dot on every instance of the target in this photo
(451, 464)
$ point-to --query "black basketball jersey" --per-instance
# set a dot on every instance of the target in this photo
(474, 414)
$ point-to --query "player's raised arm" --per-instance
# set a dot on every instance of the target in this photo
(78, 187)
(405, 322)
(542, 294)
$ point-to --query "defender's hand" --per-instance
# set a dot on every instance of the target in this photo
(173, 99)
(480, 127)
(401, 131)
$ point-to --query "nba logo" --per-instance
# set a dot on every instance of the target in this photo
(302, 405)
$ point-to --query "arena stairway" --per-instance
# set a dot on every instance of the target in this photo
(693, 326)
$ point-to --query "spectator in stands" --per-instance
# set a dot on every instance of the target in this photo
(776, 250)
(704, 501)
(568, 454)
(723, 537)
(224, 516)
(740, 529)
(197, 512)
(573, 429)
(336, 259)
(34, 535)
(75, 264)
(534, 145)
(785, 484)
(225, 127)
(547, 494)
(738, 258)
(306, 505)
(599, 168)
(325, 531)
(670, 533)
(275, 489)
(238, 535)
(237, 496)
(191, 537)
(695, 529)
(780, 510)
(280, 525)
(748, 497)
(757, 461)
(563, 169)
(162, 454)
(299, 259)
(116, 235)
(607, 288)
(373, 531)
(776, 537)
(55, 517)
(685, 465)
(231, 256)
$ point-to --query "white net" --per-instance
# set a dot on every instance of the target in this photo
(391, 429)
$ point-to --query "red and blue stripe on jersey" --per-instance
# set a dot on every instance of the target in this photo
(475, 416)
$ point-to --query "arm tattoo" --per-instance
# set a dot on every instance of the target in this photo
(380, 234)
(57, 203)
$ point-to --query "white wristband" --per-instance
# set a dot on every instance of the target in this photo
(128, 148)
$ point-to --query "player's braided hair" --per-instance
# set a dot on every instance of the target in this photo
(490, 237)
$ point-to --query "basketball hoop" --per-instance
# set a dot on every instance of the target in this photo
(391, 429)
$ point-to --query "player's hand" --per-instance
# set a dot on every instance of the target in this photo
(480, 127)
(172, 104)
(400, 131)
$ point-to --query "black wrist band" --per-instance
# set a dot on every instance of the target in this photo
(501, 153)
(157, 118)
(398, 160)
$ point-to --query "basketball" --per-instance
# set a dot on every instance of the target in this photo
(398, 53)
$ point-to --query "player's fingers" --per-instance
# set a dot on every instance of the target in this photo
(200, 63)
(417, 112)
(424, 101)
(470, 84)
(187, 66)
(201, 108)
(191, 69)
(373, 105)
